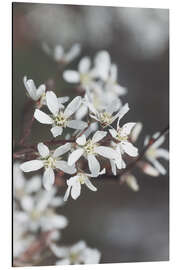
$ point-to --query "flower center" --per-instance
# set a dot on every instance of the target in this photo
(84, 78)
(151, 152)
(120, 137)
(35, 215)
(90, 147)
(60, 120)
(105, 118)
(49, 162)
(73, 257)
(81, 178)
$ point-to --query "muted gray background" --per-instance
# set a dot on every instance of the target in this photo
(125, 226)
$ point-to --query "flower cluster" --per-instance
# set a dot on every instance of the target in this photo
(88, 139)
(98, 137)
(37, 223)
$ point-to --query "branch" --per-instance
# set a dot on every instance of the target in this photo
(132, 164)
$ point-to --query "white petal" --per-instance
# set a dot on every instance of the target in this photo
(84, 65)
(27, 203)
(58, 53)
(32, 165)
(159, 167)
(73, 52)
(98, 135)
(163, 153)
(113, 72)
(126, 129)
(113, 166)
(63, 99)
(119, 90)
(136, 131)
(159, 142)
(89, 184)
(59, 251)
(130, 149)
(81, 140)
(48, 178)
(56, 131)
(113, 106)
(42, 117)
(122, 112)
(30, 87)
(61, 150)
(55, 222)
(73, 106)
(41, 89)
(94, 165)
(113, 133)
(52, 102)
(132, 182)
(71, 76)
(66, 196)
(75, 155)
(148, 169)
(63, 166)
(106, 152)
(43, 150)
(76, 190)
(76, 124)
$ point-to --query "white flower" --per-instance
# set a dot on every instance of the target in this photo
(74, 184)
(119, 163)
(50, 162)
(35, 93)
(59, 55)
(90, 149)
(38, 212)
(22, 187)
(121, 135)
(112, 85)
(21, 240)
(79, 253)
(84, 76)
(60, 118)
(106, 116)
(102, 62)
(154, 152)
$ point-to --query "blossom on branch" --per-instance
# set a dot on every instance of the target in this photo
(154, 152)
(78, 253)
(74, 184)
(90, 149)
(35, 93)
(60, 118)
(49, 161)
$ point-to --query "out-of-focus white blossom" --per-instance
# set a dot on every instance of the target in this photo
(78, 253)
(90, 149)
(50, 161)
(21, 186)
(59, 55)
(60, 118)
(154, 152)
(74, 184)
(84, 75)
(38, 212)
(21, 240)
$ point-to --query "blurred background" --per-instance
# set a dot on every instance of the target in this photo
(124, 225)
